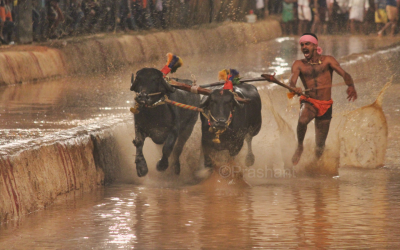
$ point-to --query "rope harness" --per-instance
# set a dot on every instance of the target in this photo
(165, 100)
(218, 132)
(207, 115)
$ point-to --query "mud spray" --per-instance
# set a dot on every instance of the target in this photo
(357, 138)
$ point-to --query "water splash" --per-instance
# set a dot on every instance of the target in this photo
(363, 137)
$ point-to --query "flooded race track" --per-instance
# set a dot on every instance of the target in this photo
(275, 207)
(359, 210)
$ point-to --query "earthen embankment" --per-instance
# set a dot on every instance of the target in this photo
(100, 54)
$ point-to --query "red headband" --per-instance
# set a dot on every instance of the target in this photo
(311, 39)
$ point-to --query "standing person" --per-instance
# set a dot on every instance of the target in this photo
(339, 15)
(127, 21)
(2, 19)
(76, 15)
(8, 29)
(316, 71)
(157, 14)
(287, 16)
(142, 14)
(369, 26)
(6, 22)
(91, 9)
(358, 10)
(54, 17)
(380, 14)
(333, 13)
(304, 12)
(393, 16)
(321, 7)
(259, 7)
(36, 21)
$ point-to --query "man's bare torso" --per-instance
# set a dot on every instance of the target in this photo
(316, 76)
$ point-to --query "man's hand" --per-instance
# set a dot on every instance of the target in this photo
(351, 93)
(298, 91)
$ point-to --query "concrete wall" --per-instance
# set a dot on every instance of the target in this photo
(99, 55)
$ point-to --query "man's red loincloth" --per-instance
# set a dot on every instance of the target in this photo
(321, 106)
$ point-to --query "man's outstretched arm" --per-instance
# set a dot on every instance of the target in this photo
(294, 76)
(351, 90)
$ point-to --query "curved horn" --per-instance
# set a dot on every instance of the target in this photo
(204, 102)
(132, 83)
(237, 104)
(241, 100)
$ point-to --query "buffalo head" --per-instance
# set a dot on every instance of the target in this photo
(219, 106)
(150, 86)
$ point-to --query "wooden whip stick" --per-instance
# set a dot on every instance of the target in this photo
(271, 78)
(199, 90)
(335, 85)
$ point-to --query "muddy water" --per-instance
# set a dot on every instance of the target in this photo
(357, 209)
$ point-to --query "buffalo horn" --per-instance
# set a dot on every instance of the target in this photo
(240, 105)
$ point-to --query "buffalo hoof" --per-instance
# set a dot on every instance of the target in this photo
(141, 167)
(162, 164)
(249, 160)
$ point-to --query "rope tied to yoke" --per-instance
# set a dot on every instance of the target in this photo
(166, 100)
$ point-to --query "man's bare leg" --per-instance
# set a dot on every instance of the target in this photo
(352, 27)
(307, 113)
(394, 24)
(321, 133)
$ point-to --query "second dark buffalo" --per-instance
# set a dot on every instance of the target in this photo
(231, 121)
(164, 124)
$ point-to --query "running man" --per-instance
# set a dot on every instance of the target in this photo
(316, 71)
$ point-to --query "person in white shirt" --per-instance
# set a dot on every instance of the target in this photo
(304, 12)
(358, 9)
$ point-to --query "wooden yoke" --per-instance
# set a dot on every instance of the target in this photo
(189, 88)
(262, 79)
(199, 90)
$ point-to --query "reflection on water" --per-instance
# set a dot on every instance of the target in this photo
(358, 210)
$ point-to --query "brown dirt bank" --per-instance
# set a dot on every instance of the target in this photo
(103, 53)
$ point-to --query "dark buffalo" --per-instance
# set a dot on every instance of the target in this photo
(231, 121)
(162, 123)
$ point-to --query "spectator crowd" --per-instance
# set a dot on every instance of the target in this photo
(59, 18)
(377, 17)
(52, 19)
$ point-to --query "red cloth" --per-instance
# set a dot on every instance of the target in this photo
(321, 106)
(228, 85)
(2, 13)
(165, 70)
